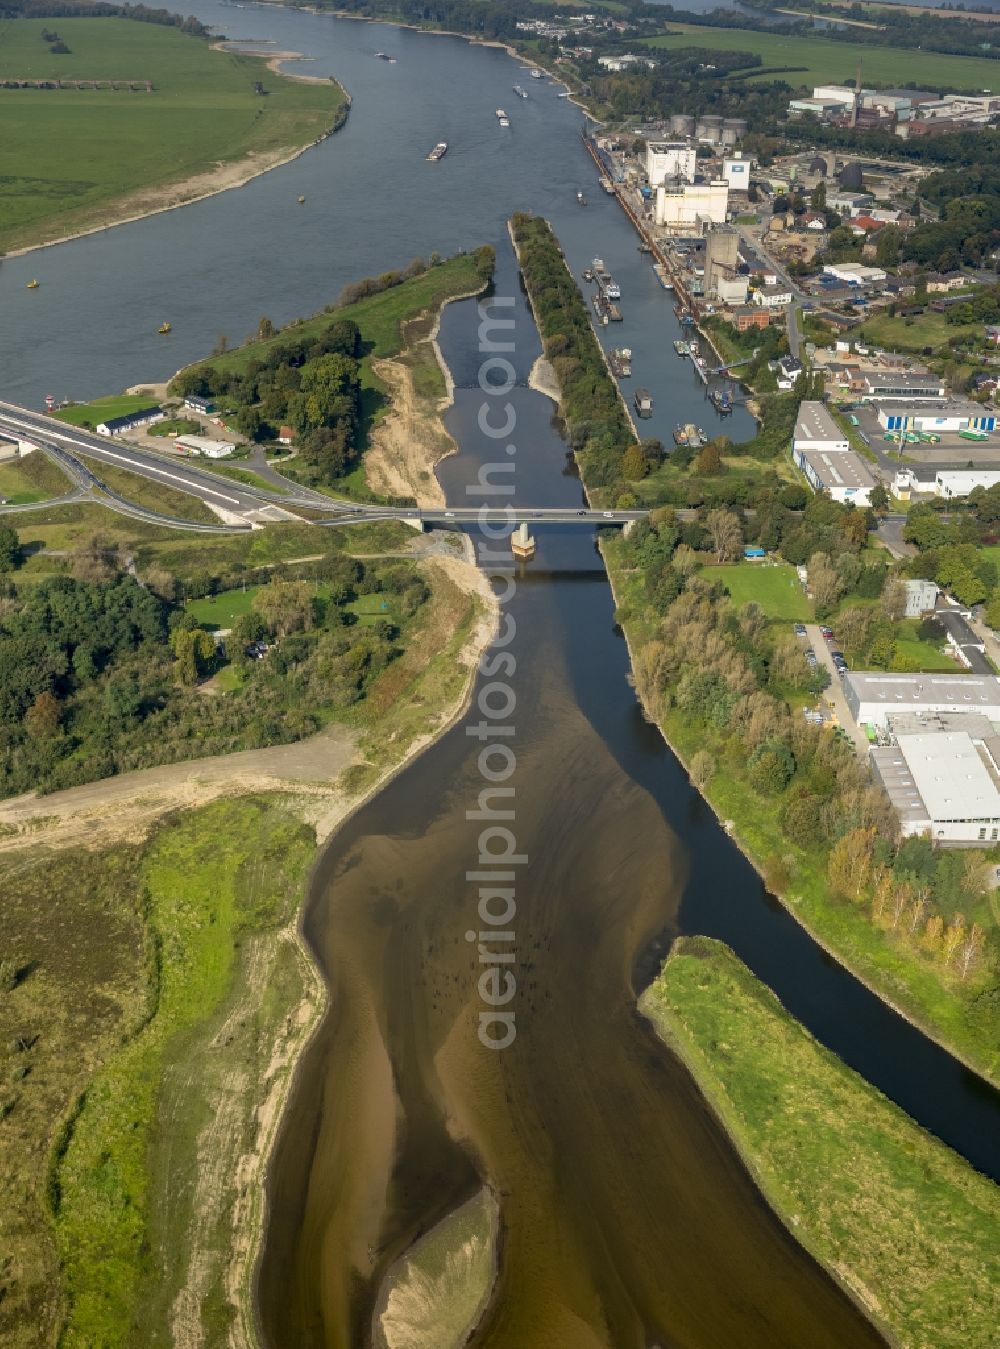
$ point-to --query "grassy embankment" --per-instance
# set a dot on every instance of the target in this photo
(956, 1011)
(76, 159)
(33, 477)
(158, 995)
(389, 323)
(905, 1224)
(815, 60)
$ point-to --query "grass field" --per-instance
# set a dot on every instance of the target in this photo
(71, 159)
(154, 496)
(33, 477)
(90, 415)
(817, 60)
(913, 654)
(221, 611)
(378, 316)
(775, 587)
(910, 1227)
(913, 334)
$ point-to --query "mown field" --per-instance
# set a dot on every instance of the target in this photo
(774, 586)
(817, 60)
(71, 159)
(905, 1223)
(32, 478)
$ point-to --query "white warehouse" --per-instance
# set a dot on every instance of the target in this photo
(873, 697)
(960, 482)
(815, 429)
(943, 784)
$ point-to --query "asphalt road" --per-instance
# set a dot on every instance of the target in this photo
(242, 505)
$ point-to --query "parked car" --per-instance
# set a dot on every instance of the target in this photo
(800, 629)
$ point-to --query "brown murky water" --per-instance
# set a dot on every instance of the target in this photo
(626, 1218)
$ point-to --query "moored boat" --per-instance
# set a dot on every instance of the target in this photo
(587, 274)
(581, 199)
(643, 400)
(620, 361)
(722, 401)
(682, 348)
(680, 435)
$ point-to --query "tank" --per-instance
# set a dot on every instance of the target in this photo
(709, 129)
(729, 136)
(735, 127)
(681, 124)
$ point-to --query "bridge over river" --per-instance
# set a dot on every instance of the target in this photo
(239, 505)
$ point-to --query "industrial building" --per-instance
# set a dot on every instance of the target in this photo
(815, 429)
(211, 449)
(667, 160)
(954, 414)
(874, 697)
(854, 273)
(736, 171)
(944, 783)
(722, 256)
(843, 477)
(772, 297)
(686, 206)
(960, 482)
(888, 386)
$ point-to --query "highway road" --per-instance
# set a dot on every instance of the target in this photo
(241, 506)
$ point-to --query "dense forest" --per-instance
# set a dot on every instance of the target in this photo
(312, 385)
(100, 672)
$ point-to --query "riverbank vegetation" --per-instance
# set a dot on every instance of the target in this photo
(907, 1226)
(102, 672)
(152, 1006)
(727, 681)
(133, 116)
(316, 376)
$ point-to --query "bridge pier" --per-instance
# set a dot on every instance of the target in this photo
(628, 527)
(416, 524)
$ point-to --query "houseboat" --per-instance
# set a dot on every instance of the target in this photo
(620, 361)
(682, 348)
(643, 400)
(722, 401)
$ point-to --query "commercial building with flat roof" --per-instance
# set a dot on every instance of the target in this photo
(886, 385)
(872, 696)
(815, 429)
(844, 476)
(952, 414)
(943, 784)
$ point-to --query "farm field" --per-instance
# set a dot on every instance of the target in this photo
(775, 587)
(73, 159)
(816, 60)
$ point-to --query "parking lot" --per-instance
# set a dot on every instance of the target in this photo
(951, 451)
(833, 696)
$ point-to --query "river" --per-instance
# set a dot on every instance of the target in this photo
(627, 1219)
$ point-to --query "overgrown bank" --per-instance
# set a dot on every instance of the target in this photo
(907, 1227)
(726, 684)
(154, 1003)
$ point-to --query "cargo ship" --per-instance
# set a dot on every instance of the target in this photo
(439, 151)
(722, 401)
(521, 93)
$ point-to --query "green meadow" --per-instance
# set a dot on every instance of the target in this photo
(73, 159)
(817, 60)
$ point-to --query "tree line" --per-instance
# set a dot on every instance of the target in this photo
(99, 670)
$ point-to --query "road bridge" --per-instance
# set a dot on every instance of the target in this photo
(242, 506)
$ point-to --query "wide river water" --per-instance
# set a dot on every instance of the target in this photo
(627, 1220)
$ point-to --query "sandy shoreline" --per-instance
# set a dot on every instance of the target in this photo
(411, 440)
